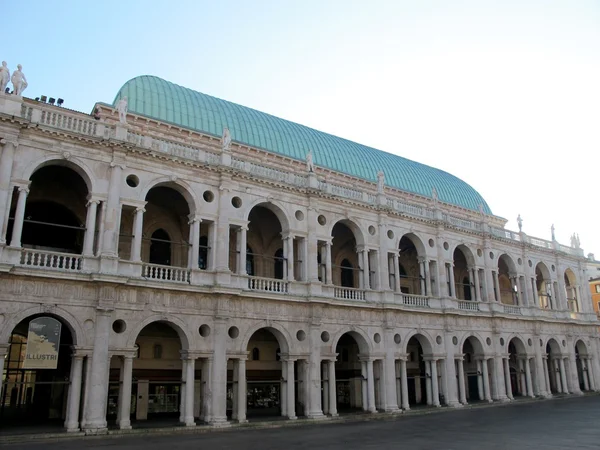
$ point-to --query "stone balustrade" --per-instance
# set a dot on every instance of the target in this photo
(349, 293)
(418, 301)
(467, 305)
(268, 285)
(51, 260)
(165, 273)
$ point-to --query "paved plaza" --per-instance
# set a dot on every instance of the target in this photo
(560, 424)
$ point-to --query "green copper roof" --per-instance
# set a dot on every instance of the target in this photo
(159, 99)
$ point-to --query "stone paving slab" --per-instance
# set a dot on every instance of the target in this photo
(147, 437)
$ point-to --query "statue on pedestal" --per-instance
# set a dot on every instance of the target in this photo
(552, 231)
(380, 182)
(310, 166)
(122, 110)
(226, 140)
(520, 223)
(19, 81)
(4, 77)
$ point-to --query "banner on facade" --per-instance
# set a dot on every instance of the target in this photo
(43, 341)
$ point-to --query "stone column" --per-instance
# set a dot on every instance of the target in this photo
(499, 386)
(546, 376)
(584, 374)
(389, 389)
(101, 221)
(471, 271)
(325, 384)
(364, 389)
(6, 163)
(365, 273)
(19, 217)
(590, 366)
(477, 284)
(291, 384)
(497, 286)
(422, 276)
(190, 381)
(136, 243)
(328, 272)
(95, 416)
(480, 392)
(361, 264)
(461, 381)
(528, 378)
(397, 272)
(404, 384)
(288, 245)
(557, 376)
(563, 376)
(332, 389)
(194, 250)
(427, 278)
(74, 397)
(242, 243)
(219, 374)
(125, 406)
(241, 391)
(452, 292)
(521, 378)
(182, 386)
(370, 387)
(486, 381)
(428, 396)
(507, 379)
(110, 240)
(90, 228)
(524, 290)
(313, 375)
(434, 383)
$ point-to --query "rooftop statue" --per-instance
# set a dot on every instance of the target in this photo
(122, 110)
(552, 231)
(380, 182)
(520, 223)
(4, 77)
(310, 166)
(19, 81)
(226, 140)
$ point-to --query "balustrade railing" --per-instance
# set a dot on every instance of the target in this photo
(59, 118)
(51, 260)
(267, 285)
(415, 300)
(510, 309)
(348, 293)
(166, 273)
(467, 305)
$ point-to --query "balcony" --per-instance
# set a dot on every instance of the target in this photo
(51, 260)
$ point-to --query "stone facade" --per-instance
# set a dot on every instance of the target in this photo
(408, 298)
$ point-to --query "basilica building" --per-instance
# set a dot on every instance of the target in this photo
(176, 255)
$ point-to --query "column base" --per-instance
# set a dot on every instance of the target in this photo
(292, 417)
(240, 421)
(456, 405)
(332, 415)
(392, 410)
(503, 399)
(316, 416)
(190, 424)
(72, 429)
(125, 425)
(546, 395)
(220, 422)
(94, 431)
(372, 411)
(406, 409)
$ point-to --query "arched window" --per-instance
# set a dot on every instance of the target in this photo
(203, 253)
(255, 354)
(347, 274)
(278, 269)
(249, 261)
(158, 351)
(160, 248)
(467, 289)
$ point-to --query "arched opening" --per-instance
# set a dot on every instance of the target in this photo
(264, 236)
(55, 211)
(571, 291)
(517, 355)
(411, 276)
(463, 267)
(279, 264)
(349, 376)
(36, 373)
(555, 365)
(583, 365)
(473, 371)
(266, 385)
(160, 248)
(418, 372)
(507, 281)
(347, 274)
(346, 270)
(544, 286)
(157, 374)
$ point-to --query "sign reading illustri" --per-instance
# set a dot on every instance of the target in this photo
(42, 344)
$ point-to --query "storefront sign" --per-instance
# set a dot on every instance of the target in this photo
(42, 344)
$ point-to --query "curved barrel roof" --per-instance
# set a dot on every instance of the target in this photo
(162, 100)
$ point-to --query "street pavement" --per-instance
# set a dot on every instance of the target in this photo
(563, 424)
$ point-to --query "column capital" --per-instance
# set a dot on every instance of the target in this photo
(459, 357)
(422, 259)
(194, 218)
(139, 209)
(104, 311)
(23, 188)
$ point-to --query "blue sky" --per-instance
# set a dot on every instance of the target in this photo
(503, 94)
